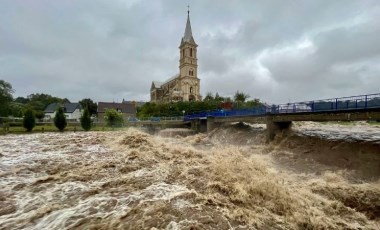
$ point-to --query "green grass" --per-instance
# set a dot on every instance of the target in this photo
(52, 128)
(376, 123)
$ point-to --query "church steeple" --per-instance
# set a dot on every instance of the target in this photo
(188, 67)
(184, 86)
(188, 36)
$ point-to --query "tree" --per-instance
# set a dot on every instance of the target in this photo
(208, 97)
(240, 96)
(114, 118)
(16, 109)
(22, 100)
(40, 115)
(85, 120)
(88, 103)
(218, 98)
(29, 120)
(60, 119)
(253, 103)
(6, 98)
(40, 101)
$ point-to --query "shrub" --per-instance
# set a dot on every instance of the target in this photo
(85, 120)
(60, 119)
(40, 115)
(29, 120)
(114, 118)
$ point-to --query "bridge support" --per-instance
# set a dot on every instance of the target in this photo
(203, 125)
(275, 127)
(211, 124)
(199, 125)
(195, 125)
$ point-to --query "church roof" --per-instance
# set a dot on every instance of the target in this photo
(157, 84)
(123, 107)
(68, 107)
(171, 79)
(188, 36)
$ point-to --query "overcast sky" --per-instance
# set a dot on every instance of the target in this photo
(275, 50)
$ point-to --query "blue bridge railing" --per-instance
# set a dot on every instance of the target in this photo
(333, 104)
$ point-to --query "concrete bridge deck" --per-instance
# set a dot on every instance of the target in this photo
(280, 117)
(278, 122)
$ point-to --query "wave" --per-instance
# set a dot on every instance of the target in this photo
(230, 178)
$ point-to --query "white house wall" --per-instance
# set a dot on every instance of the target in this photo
(74, 115)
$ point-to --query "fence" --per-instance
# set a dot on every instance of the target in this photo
(333, 104)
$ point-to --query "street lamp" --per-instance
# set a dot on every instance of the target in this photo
(183, 114)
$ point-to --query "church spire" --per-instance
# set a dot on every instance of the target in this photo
(188, 37)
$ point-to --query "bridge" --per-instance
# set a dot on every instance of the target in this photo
(280, 117)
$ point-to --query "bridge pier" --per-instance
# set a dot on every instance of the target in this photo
(275, 127)
(199, 125)
(211, 124)
(196, 125)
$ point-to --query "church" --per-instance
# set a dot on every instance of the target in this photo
(184, 86)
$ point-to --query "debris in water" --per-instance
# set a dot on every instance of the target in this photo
(229, 179)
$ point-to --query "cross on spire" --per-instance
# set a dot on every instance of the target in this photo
(188, 36)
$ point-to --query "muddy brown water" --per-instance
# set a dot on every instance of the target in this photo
(317, 177)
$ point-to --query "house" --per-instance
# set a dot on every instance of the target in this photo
(73, 111)
(137, 103)
(184, 86)
(127, 109)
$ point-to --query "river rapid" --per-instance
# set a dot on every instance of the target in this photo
(318, 176)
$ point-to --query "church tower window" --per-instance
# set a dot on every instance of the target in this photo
(191, 52)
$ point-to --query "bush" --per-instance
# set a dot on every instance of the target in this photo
(60, 119)
(114, 118)
(40, 115)
(29, 120)
(85, 120)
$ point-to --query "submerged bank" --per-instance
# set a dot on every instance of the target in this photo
(227, 179)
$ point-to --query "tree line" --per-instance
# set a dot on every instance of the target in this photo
(32, 107)
(37, 102)
(210, 102)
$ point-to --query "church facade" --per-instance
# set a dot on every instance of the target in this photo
(184, 86)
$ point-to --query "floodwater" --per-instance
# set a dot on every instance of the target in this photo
(320, 176)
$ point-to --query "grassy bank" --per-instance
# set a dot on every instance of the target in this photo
(41, 128)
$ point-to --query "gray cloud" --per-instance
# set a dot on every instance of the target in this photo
(109, 50)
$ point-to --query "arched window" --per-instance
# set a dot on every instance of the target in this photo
(191, 89)
(191, 52)
(183, 53)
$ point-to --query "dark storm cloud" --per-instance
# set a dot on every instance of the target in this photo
(109, 50)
